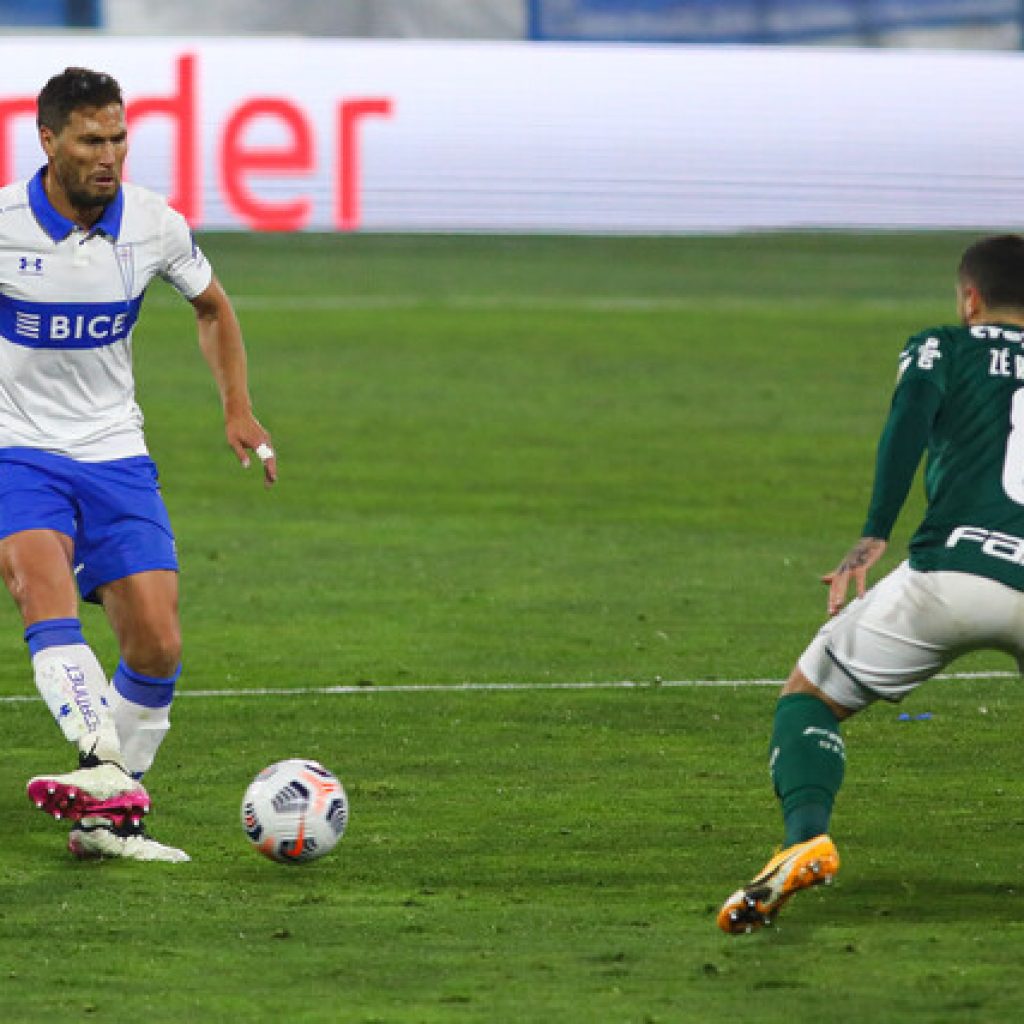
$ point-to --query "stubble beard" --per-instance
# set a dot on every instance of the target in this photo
(78, 195)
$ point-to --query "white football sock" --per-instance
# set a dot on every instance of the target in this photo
(141, 707)
(140, 730)
(72, 682)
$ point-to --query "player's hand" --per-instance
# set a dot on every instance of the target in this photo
(246, 434)
(854, 567)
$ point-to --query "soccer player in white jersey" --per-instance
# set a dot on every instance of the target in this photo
(959, 398)
(80, 505)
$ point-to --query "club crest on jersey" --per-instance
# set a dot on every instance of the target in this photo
(126, 264)
(30, 264)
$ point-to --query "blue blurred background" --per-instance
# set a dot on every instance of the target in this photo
(955, 24)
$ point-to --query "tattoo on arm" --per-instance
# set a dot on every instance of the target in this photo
(860, 555)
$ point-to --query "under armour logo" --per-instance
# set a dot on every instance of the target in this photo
(30, 264)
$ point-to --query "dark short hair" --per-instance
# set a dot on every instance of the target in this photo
(995, 266)
(71, 90)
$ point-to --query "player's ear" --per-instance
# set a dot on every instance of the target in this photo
(973, 303)
(968, 300)
(47, 139)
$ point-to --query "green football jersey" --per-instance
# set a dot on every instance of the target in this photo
(962, 389)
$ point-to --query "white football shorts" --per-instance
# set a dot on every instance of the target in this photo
(909, 626)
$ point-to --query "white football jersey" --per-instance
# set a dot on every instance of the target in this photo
(69, 299)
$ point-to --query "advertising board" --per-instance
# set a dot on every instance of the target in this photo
(322, 134)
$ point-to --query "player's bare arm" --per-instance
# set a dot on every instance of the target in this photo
(854, 566)
(220, 338)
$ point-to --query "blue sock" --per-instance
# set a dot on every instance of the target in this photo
(149, 691)
(53, 633)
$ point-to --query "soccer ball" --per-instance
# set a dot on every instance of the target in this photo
(294, 811)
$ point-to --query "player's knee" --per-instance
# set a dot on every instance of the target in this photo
(799, 683)
(39, 597)
(155, 652)
(36, 568)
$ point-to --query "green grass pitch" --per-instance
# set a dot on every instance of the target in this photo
(528, 461)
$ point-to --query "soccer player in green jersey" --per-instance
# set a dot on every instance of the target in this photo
(959, 397)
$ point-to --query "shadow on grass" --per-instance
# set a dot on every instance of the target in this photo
(921, 900)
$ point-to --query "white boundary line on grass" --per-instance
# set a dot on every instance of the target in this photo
(527, 303)
(625, 684)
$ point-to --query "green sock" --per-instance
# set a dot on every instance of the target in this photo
(807, 764)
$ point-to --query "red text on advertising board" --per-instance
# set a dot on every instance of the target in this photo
(238, 163)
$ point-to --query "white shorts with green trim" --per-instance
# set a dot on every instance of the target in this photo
(909, 626)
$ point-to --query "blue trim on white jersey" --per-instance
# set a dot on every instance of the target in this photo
(67, 325)
(56, 225)
(66, 383)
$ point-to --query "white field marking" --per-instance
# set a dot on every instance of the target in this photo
(324, 691)
(468, 303)
(541, 303)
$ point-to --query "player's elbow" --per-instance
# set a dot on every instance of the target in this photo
(212, 304)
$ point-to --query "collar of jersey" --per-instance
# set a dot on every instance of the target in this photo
(57, 226)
